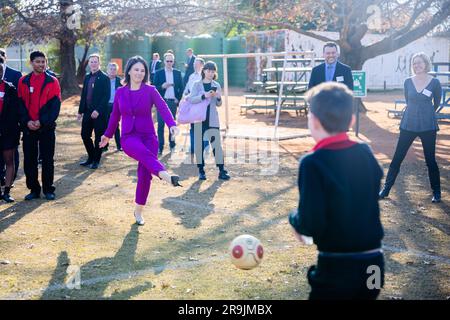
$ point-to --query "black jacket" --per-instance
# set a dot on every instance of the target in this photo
(160, 78)
(9, 118)
(338, 204)
(100, 96)
(342, 70)
(13, 76)
(48, 112)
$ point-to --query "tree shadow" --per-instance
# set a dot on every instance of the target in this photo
(65, 186)
(99, 272)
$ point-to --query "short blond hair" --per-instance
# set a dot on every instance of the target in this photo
(426, 59)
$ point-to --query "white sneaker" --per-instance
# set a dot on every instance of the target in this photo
(139, 219)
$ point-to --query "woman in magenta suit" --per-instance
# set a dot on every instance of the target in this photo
(133, 103)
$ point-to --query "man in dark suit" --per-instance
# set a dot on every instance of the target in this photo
(115, 84)
(12, 76)
(155, 66)
(189, 65)
(331, 69)
(93, 110)
(169, 83)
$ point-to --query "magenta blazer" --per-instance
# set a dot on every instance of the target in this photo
(137, 114)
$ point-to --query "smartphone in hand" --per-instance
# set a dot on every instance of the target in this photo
(214, 89)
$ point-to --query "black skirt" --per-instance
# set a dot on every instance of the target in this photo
(9, 141)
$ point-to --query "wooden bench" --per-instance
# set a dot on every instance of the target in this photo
(397, 112)
(287, 103)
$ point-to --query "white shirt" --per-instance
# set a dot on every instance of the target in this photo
(170, 91)
(192, 79)
(4, 71)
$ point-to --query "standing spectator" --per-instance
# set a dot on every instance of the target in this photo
(208, 130)
(423, 95)
(169, 83)
(115, 84)
(9, 131)
(133, 103)
(155, 66)
(196, 76)
(189, 65)
(40, 103)
(12, 76)
(331, 69)
(93, 110)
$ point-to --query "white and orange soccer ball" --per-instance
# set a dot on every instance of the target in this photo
(246, 252)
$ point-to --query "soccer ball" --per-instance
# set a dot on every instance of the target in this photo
(246, 252)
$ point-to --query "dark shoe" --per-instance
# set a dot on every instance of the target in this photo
(223, 175)
(202, 176)
(94, 165)
(160, 153)
(5, 196)
(119, 149)
(50, 196)
(436, 197)
(32, 195)
(8, 198)
(86, 163)
(175, 181)
(384, 193)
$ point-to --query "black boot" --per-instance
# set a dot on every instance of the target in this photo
(175, 181)
(436, 197)
(6, 195)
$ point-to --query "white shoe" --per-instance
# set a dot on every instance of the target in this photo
(139, 219)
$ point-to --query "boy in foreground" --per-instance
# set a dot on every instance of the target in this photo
(339, 182)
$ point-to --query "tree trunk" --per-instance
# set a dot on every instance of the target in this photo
(67, 40)
(69, 84)
(81, 72)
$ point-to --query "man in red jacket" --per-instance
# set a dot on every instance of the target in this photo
(40, 103)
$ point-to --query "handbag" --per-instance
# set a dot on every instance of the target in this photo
(192, 112)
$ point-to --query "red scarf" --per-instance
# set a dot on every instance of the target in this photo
(336, 142)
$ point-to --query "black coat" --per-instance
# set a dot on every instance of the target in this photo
(13, 76)
(160, 78)
(342, 70)
(190, 69)
(100, 96)
(9, 118)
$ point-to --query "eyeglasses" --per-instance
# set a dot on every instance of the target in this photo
(169, 61)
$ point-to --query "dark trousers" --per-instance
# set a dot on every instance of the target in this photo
(161, 125)
(3, 167)
(117, 133)
(98, 126)
(33, 143)
(405, 140)
(345, 278)
(202, 135)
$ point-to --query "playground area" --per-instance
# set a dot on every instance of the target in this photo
(88, 233)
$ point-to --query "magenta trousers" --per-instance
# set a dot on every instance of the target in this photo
(144, 149)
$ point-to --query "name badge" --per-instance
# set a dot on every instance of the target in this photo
(31, 89)
(2, 94)
(426, 92)
(340, 79)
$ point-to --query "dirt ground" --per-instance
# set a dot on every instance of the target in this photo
(182, 251)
